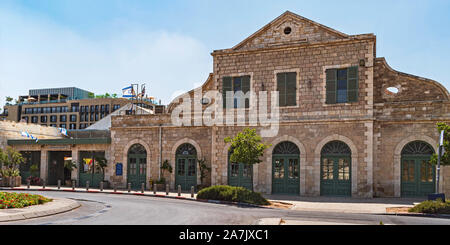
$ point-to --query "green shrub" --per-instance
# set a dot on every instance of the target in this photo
(432, 207)
(232, 194)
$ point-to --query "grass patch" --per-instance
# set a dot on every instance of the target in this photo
(432, 207)
(232, 194)
(20, 200)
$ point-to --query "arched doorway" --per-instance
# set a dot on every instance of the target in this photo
(186, 166)
(335, 169)
(137, 166)
(240, 174)
(286, 169)
(417, 174)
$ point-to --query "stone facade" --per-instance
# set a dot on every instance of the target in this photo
(375, 128)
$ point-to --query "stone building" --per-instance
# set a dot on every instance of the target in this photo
(349, 124)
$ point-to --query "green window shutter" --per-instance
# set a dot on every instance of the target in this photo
(245, 88)
(226, 86)
(331, 81)
(281, 88)
(291, 89)
(352, 84)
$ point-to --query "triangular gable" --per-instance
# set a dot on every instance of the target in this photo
(302, 30)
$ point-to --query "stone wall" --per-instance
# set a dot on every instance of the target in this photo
(13, 130)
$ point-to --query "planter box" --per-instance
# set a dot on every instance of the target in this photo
(160, 187)
(11, 181)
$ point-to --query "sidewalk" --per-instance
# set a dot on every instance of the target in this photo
(343, 204)
(319, 204)
(106, 191)
(58, 205)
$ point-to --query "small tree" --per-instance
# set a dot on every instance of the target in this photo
(204, 169)
(445, 159)
(70, 165)
(165, 167)
(247, 147)
(102, 163)
(8, 100)
(11, 159)
(91, 95)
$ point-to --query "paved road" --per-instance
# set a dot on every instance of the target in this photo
(104, 209)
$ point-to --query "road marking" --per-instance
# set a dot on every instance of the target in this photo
(104, 210)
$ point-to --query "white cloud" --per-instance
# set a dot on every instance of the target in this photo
(36, 53)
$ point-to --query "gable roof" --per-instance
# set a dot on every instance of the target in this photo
(290, 16)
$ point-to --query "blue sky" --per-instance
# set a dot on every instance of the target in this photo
(103, 45)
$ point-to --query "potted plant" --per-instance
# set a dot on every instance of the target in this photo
(204, 170)
(102, 163)
(70, 166)
(11, 159)
(161, 183)
(34, 170)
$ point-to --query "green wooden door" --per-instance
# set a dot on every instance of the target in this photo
(418, 176)
(240, 174)
(335, 175)
(137, 169)
(286, 174)
(186, 171)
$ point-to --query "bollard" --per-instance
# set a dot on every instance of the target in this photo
(73, 185)
(142, 188)
(28, 183)
(167, 189)
(179, 190)
(59, 184)
(115, 188)
(192, 191)
(154, 189)
(87, 185)
(43, 184)
(101, 185)
(129, 187)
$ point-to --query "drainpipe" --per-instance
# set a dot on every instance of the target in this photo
(160, 151)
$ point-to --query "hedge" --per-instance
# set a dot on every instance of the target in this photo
(432, 207)
(232, 194)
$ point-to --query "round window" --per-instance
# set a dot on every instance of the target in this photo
(392, 90)
(287, 30)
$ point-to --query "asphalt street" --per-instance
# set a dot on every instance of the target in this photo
(107, 209)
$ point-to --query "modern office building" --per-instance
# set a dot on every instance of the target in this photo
(70, 108)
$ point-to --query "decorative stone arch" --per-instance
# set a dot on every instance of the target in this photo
(173, 158)
(302, 149)
(125, 159)
(398, 157)
(317, 159)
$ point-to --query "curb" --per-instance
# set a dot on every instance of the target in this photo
(442, 216)
(62, 205)
(239, 204)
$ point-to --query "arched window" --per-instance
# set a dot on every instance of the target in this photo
(137, 149)
(286, 148)
(186, 149)
(417, 148)
(336, 148)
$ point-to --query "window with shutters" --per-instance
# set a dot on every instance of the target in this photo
(236, 85)
(287, 88)
(342, 85)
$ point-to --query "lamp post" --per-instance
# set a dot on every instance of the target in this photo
(441, 143)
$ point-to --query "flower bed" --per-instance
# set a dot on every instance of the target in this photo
(20, 200)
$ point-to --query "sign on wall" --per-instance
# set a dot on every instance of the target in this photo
(119, 169)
